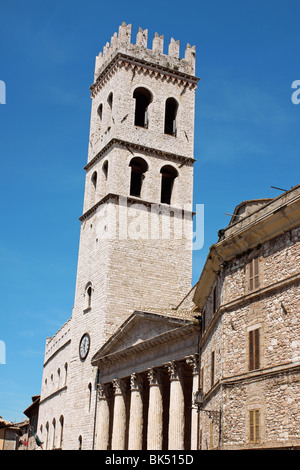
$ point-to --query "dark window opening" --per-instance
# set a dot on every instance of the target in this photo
(212, 376)
(214, 300)
(110, 100)
(94, 179)
(90, 395)
(89, 296)
(138, 168)
(143, 98)
(105, 169)
(100, 111)
(168, 175)
(170, 116)
(61, 420)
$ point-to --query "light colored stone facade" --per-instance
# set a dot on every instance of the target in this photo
(135, 251)
(168, 366)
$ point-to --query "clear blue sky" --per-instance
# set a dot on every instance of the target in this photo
(247, 139)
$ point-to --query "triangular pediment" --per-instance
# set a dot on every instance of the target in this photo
(139, 328)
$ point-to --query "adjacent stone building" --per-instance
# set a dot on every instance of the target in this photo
(147, 361)
(13, 436)
(249, 298)
(8, 435)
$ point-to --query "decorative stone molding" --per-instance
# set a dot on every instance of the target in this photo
(175, 370)
(136, 382)
(119, 386)
(135, 147)
(193, 362)
(103, 391)
(154, 376)
(141, 66)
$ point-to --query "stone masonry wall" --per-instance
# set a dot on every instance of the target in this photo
(273, 308)
(118, 121)
(123, 270)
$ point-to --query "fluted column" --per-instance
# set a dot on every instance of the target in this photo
(119, 418)
(155, 411)
(135, 439)
(193, 362)
(102, 426)
(176, 409)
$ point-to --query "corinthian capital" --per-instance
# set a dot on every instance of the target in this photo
(119, 386)
(136, 382)
(175, 370)
(193, 362)
(154, 376)
(102, 391)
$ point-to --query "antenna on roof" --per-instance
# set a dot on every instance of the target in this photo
(280, 189)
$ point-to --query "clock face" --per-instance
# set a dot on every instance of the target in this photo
(84, 346)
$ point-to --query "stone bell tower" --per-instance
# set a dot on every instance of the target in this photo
(136, 226)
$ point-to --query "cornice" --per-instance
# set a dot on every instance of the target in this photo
(50, 354)
(130, 145)
(124, 354)
(53, 394)
(262, 374)
(247, 299)
(269, 222)
(251, 376)
(132, 200)
(122, 59)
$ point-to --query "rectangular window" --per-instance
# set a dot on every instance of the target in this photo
(212, 369)
(254, 349)
(254, 426)
(253, 274)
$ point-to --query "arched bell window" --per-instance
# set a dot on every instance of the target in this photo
(138, 169)
(170, 116)
(168, 175)
(143, 98)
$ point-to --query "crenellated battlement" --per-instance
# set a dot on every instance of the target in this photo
(121, 43)
(58, 339)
